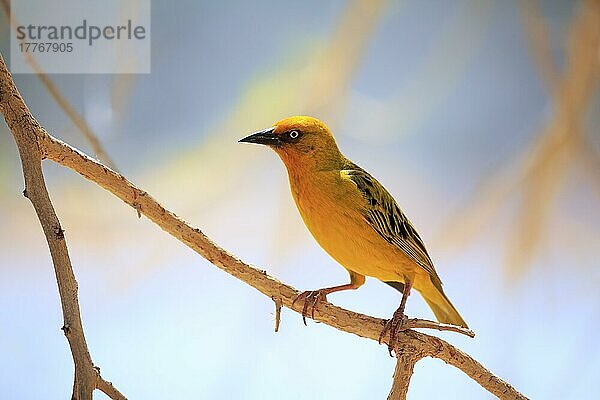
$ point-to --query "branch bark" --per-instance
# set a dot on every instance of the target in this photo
(25, 130)
(38, 144)
(407, 358)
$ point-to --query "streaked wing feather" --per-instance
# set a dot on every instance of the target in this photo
(387, 219)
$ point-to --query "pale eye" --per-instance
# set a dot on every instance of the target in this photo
(294, 134)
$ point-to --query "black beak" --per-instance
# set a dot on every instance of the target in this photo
(266, 137)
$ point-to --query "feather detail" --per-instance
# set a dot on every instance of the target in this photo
(385, 216)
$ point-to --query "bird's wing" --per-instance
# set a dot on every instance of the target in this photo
(387, 219)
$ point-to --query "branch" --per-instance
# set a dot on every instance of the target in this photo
(20, 120)
(25, 130)
(108, 389)
(407, 358)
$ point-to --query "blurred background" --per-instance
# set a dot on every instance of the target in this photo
(481, 117)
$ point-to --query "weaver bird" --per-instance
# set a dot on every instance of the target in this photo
(354, 219)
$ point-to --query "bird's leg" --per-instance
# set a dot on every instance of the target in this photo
(394, 325)
(312, 297)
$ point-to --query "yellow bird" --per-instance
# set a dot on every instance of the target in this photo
(354, 219)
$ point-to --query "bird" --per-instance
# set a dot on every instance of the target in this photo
(355, 220)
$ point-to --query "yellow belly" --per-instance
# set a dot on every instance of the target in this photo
(335, 219)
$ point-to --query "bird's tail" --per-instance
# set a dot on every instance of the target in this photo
(440, 305)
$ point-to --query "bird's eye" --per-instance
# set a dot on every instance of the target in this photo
(294, 134)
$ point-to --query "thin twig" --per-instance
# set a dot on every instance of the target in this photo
(108, 389)
(25, 130)
(278, 305)
(417, 323)
(56, 94)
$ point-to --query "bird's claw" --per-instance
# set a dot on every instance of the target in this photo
(311, 297)
(394, 326)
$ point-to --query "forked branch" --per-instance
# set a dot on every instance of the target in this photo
(25, 130)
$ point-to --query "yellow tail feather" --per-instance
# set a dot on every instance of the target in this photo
(440, 305)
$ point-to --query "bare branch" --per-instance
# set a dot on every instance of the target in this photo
(402, 374)
(24, 128)
(108, 389)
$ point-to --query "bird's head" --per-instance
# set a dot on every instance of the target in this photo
(300, 142)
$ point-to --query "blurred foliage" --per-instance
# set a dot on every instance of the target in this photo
(541, 172)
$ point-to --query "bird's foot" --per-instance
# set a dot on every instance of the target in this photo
(310, 298)
(394, 326)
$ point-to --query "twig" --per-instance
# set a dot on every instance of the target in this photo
(416, 323)
(278, 306)
(25, 130)
(108, 389)
(56, 94)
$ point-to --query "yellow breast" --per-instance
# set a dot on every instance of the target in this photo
(332, 209)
